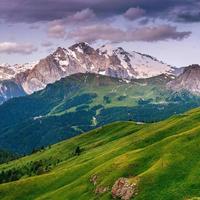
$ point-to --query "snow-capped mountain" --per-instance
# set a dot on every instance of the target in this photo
(135, 64)
(188, 80)
(82, 58)
(8, 72)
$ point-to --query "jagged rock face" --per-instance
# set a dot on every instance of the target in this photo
(81, 58)
(188, 80)
(9, 89)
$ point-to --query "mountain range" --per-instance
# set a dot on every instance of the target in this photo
(82, 58)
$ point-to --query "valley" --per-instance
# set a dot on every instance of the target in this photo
(83, 102)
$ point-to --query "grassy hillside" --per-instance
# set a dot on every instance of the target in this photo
(159, 161)
(82, 102)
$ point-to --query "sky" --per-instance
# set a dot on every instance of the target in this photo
(166, 29)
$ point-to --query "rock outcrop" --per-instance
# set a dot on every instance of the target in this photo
(189, 80)
(123, 189)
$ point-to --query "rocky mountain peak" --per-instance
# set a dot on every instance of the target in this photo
(60, 52)
(192, 67)
(82, 47)
(106, 49)
(188, 80)
(120, 50)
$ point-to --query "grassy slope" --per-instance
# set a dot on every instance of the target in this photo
(164, 157)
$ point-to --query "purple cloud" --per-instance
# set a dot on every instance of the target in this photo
(81, 16)
(134, 13)
(187, 14)
(109, 33)
(34, 26)
(47, 44)
(56, 29)
(49, 10)
(16, 48)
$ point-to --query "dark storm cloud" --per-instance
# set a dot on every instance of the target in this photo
(48, 10)
(189, 17)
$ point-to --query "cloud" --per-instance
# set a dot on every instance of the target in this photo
(56, 29)
(15, 48)
(34, 26)
(109, 33)
(159, 33)
(189, 17)
(81, 16)
(144, 21)
(48, 10)
(134, 13)
(187, 14)
(47, 44)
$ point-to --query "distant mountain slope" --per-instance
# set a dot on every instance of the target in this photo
(9, 89)
(82, 102)
(9, 72)
(122, 160)
(188, 80)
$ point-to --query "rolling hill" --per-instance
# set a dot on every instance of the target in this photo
(82, 102)
(123, 160)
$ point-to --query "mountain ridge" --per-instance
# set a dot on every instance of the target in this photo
(189, 80)
(82, 58)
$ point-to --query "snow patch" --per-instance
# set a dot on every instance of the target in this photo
(102, 72)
